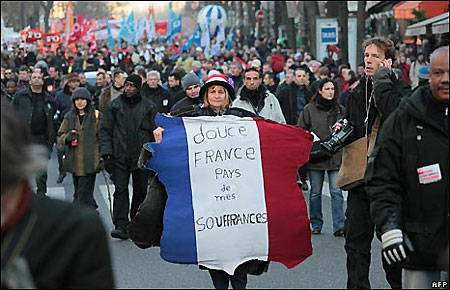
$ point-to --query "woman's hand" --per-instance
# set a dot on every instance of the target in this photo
(157, 133)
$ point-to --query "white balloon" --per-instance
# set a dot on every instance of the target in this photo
(213, 14)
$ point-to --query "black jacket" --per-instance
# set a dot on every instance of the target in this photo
(288, 102)
(387, 93)
(24, 103)
(414, 136)
(159, 96)
(176, 94)
(187, 102)
(67, 247)
(116, 125)
(64, 103)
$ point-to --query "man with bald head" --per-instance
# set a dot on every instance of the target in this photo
(407, 181)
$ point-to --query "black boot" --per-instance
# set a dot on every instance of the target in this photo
(120, 233)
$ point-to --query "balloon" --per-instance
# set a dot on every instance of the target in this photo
(213, 14)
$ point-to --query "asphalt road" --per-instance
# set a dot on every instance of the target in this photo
(137, 268)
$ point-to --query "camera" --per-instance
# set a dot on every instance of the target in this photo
(338, 138)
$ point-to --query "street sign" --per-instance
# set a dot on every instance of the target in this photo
(329, 35)
(259, 16)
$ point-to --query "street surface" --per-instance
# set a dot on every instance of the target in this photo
(137, 268)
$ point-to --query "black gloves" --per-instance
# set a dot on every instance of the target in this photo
(396, 246)
(108, 163)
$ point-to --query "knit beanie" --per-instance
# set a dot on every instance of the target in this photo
(81, 93)
(73, 77)
(218, 80)
(189, 80)
(135, 80)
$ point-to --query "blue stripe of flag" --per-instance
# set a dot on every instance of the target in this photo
(178, 242)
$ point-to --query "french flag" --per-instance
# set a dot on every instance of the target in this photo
(232, 191)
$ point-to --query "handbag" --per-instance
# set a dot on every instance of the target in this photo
(354, 159)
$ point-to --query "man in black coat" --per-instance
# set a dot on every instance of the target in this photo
(175, 89)
(39, 111)
(295, 97)
(378, 93)
(407, 180)
(126, 124)
(153, 91)
(46, 243)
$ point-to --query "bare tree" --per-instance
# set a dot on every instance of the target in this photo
(47, 6)
(311, 12)
(343, 34)
(361, 16)
(96, 9)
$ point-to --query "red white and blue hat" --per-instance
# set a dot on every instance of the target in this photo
(218, 80)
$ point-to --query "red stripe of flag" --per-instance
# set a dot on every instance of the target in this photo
(287, 215)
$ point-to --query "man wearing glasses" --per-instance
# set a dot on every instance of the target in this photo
(127, 123)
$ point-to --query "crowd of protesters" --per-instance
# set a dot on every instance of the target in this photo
(133, 83)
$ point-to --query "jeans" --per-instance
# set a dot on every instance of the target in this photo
(41, 183)
(84, 190)
(121, 206)
(359, 232)
(316, 178)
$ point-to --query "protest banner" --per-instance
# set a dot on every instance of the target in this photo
(232, 191)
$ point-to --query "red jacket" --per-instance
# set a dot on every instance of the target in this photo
(277, 63)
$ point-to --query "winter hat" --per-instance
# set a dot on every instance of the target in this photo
(424, 73)
(189, 80)
(81, 93)
(256, 63)
(218, 80)
(73, 77)
(135, 80)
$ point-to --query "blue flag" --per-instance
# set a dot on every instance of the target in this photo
(110, 37)
(171, 19)
(122, 26)
(176, 28)
(230, 39)
(127, 31)
(195, 38)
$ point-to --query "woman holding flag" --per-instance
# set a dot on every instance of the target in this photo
(217, 94)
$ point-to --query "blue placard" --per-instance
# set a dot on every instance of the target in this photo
(329, 35)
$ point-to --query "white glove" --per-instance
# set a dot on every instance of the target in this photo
(393, 248)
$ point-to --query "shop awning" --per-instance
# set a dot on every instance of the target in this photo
(440, 27)
(420, 28)
(404, 9)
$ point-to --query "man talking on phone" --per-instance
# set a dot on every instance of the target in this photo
(378, 94)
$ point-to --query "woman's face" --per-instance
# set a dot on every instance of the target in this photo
(217, 97)
(327, 92)
(80, 104)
